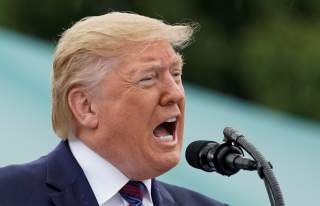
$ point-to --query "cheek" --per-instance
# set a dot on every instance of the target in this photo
(128, 117)
(142, 105)
(131, 116)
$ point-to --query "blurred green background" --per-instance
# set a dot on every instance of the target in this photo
(264, 53)
(261, 51)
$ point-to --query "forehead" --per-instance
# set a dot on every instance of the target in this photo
(157, 53)
(160, 49)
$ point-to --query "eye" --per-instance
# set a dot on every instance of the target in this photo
(177, 73)
(147, 80)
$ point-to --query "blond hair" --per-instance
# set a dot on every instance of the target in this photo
(85, 51)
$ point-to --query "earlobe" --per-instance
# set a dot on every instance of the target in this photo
(92, 119)
(81, 106)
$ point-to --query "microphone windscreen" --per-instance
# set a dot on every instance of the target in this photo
(193, 152)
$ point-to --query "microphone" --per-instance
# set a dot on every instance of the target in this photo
(210, 156)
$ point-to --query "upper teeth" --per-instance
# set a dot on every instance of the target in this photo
(173, 119)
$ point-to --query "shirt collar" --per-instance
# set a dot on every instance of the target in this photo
(104, 178)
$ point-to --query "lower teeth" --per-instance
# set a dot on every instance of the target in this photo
(167, 138)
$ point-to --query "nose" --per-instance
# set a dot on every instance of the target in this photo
(172, 92)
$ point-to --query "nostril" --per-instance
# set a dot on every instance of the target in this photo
(172, 95)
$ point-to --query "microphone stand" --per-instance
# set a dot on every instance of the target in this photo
(264, 167)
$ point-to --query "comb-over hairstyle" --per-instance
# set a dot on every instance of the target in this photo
(85, 53)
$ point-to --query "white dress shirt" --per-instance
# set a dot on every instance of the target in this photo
(104, 178)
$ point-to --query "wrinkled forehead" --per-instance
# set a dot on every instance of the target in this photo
(159, 53)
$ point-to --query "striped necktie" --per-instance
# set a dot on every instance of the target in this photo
(133, 192)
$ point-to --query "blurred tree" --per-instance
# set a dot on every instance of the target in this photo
(280, 65)
(48, 18)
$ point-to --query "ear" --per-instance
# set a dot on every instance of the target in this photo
(82, 108)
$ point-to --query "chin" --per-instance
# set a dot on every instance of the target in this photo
(155, 168)
(166, 164)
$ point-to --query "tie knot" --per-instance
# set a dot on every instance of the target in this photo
(133, 192)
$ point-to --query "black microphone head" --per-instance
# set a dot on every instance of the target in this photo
(196, 154)
(211, 156)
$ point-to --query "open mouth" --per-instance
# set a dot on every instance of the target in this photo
(166, 130)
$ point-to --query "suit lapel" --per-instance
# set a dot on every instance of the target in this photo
(160, 195)
(66, 180)
(64, 198)
(75, 194)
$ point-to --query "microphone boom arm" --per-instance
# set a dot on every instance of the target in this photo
(264, 167)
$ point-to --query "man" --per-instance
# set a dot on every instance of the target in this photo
(118, 105)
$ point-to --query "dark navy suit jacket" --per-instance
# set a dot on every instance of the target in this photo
(57, 180)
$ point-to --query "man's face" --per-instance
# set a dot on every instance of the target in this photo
(141, 112)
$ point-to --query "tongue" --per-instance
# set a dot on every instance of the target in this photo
(160, 131)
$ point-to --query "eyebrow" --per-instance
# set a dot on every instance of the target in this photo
(150, 64)
(155, 66)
